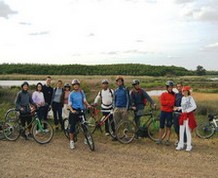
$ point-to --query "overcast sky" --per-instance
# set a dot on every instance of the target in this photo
(158, 32)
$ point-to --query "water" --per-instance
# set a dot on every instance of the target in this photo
(9, 83)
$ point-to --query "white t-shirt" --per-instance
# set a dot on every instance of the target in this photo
(187, 104)
(106, 97)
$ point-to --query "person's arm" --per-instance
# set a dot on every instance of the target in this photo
(97, 98)
(193, 105)
(17, 101)
(84, 100)
(148, 98)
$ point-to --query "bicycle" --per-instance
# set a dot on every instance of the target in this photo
(124, 132)
(83, 126)
(153, 125)
(209, 128)
(95, 124)
(42, 131)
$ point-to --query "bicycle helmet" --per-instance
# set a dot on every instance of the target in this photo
(119, 78)
(135, 82)
(75, 81)
(169, 83)
(66, 85)
(105, 81)
(24, 83)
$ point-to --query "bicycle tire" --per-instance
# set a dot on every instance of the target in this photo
(91, 122)
(2, 136)
(205, 130)
(153, 129)
(43, 136)
(66, 128)
(12, 127)
(88, 137)
(125, 131)
(112, 131)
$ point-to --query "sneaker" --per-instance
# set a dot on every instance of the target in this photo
(167, 143)
(188, 149)
(72, 145)
(37, 132)
(107, 134)
(159, 142)
(23, 135)
(85, 141)
(46, 130)
(176, 142)
(30, 136)
(178, 148)
(114, 139)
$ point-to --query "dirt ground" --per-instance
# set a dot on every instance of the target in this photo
(141, 158)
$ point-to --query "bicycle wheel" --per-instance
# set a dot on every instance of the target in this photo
(91, 122)
(88, 137)
(112, 129)
(66, 128)
(11, 127)
(125, 131)
(2, 136)
(43, 135)
(205, 130)
(153, 129)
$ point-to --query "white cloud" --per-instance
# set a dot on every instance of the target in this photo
(5, 10)
(199, 9)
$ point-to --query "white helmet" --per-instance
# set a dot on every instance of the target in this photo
(105, 81)
(75, 81)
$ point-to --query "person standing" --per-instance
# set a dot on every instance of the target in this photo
(57, 104)
(48, 92)
(177, 113)
(187, 119)
(167, 101)
(76, 102)
(39, 100)
(24, 104)
(121, 101)
(106, 97)
(66, 111)
(139, 97)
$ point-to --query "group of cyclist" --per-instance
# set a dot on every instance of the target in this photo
(67, 102)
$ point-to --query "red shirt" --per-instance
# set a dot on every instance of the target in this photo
(167, 101)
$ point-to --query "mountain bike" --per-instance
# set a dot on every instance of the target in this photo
(42, 131)
(95, 124)
(153, 125)
(209, 128)
(82, 125)
(124, 130)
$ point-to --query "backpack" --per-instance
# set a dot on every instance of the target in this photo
(140, 91)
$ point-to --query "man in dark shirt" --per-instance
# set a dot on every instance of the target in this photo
(177, 113)
(48, 92)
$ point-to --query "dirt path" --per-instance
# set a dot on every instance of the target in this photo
(143, 158)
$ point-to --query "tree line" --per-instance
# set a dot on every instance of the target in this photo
(109, 69)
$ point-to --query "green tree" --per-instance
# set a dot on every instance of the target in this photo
(200, 70)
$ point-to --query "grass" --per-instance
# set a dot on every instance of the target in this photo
(206, 99)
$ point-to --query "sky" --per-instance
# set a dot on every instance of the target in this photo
(156, 32)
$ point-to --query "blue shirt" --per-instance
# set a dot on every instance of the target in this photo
(76, 99)
(121, 99)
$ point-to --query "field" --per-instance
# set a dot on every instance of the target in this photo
(142, 158)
